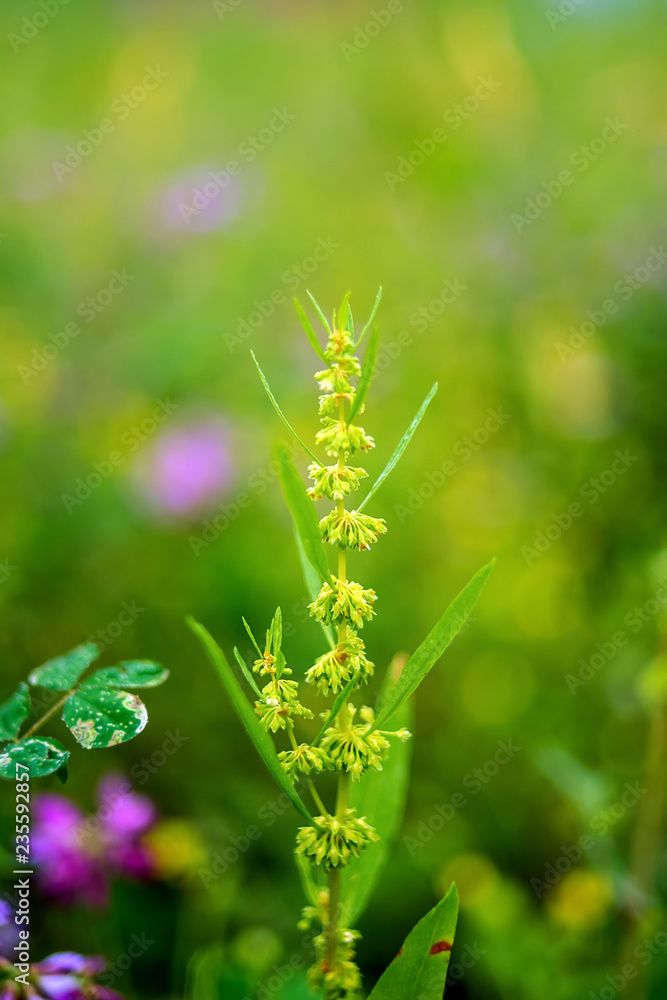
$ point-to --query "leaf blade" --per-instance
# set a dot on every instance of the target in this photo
(419, 971)
(14, 712)
(303, 514)
(280, 413)
(436, 642)
(130, 674)
(41, 755)
(261, 739)
(312, 581)
(341, 697)
(370, 318)
(323, 319)
(62, 672)
(402, 445)
(100, 717)
(246, 672)
(310, 333)
(367, 374)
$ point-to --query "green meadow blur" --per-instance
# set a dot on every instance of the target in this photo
(498, 168)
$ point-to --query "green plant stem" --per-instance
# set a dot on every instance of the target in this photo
(46, 716)
(645, 847)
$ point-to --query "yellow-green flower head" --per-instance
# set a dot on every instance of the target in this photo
(355, 749)
(305, 759)
(337, 437)
(348, 601)
(335, 669)
(330, 403)
(279, 702)
(331, 842)
(337, 379)
(332, 482)
(351, 530)
(340, 347)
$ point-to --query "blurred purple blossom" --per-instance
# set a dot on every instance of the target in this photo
(9, 932)
(201, 199)
(187, 468)
(62, 976)
(75, 854)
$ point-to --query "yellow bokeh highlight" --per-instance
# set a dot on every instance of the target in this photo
(581, 900)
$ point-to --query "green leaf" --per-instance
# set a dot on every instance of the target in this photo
(40, 755)
(402, 445)
(252, 638)
(367, 374)
(370, 318)
(342, 315)
(13, 712)
(280, 412)
(435, 643)
(310, 333)
(303, 513)
(380, 796)
(419, 971)
(324, 320)
(310, 887)
(257, 733)
(64, 671)
(350, 322)
(341, 697)
(246, 672)
(130, 674)
(313, 587)
(103, 716)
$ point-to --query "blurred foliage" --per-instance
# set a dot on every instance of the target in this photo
(529, 337)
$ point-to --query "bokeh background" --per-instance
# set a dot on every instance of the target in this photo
(134, 285)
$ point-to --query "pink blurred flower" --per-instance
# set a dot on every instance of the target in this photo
(202, 199)
(186, 468)
(75, 854)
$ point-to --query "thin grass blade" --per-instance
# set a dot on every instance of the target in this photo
(402, 445)
(279, 411)
(367, 374)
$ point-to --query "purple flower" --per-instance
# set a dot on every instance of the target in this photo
(202, 199)
(9, 932)
(62, 976)
(186, 468)
(75, 854)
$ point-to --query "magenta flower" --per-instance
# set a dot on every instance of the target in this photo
(9, 932)
(75, 854)
(62, 976)
(186, 468)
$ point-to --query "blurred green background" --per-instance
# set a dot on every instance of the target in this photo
(538, 298)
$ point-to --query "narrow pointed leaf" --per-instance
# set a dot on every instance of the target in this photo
(256, 732)
(280, 412)
(325, 321)
(103, 716)
(313, 586)
(246, 672)
(435, 643)
(367, 374)
(419, 971)
(350, 322)
(14, 712)
(310, 888)
(310, 333)
(341, 697)
(40, 755)
(370, 318)
(343, 312)
(252, 638)
(380, 796)
(130, 674)
(303, 513)
(402, 445)
(61, 673)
